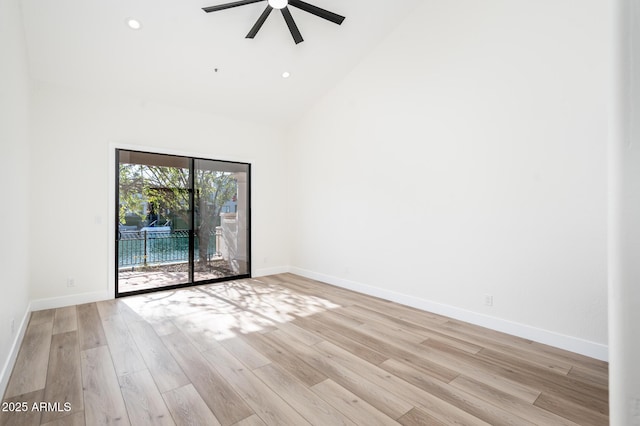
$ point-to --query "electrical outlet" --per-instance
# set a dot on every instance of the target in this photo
(71, 282)
(488, 300)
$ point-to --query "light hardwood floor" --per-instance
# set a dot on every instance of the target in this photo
(285, 350)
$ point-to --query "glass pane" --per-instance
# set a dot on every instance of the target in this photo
(221, 222)
(154, 221)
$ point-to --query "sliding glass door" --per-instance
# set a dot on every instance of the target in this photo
(221, 227)
(180, 221)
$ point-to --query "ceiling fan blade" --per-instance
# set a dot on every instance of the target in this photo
(229, 5)
(259, 22)
(315, 10)
(293, 28)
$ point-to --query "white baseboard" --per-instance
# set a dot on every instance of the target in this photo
(569, 343)
(73, 299)
(271, 271)
(13, 352)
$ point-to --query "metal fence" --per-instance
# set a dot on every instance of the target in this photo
(154, 247)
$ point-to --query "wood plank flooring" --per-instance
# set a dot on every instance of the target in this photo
(286, 350)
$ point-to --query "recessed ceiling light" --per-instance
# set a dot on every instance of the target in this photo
(134, 24)
(286, 74)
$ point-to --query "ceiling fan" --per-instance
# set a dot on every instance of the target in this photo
(282, 5)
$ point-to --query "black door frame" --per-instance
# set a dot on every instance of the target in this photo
(191, 260)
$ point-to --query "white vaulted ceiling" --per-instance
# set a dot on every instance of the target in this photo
(86, 44)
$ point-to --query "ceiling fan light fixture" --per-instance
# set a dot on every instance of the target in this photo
(278, 4)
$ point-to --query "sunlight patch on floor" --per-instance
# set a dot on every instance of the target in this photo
(223, 310)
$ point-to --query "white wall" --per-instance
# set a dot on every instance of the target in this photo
(624, 216)
(14, 176)
(73, 137)
(467, 156)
